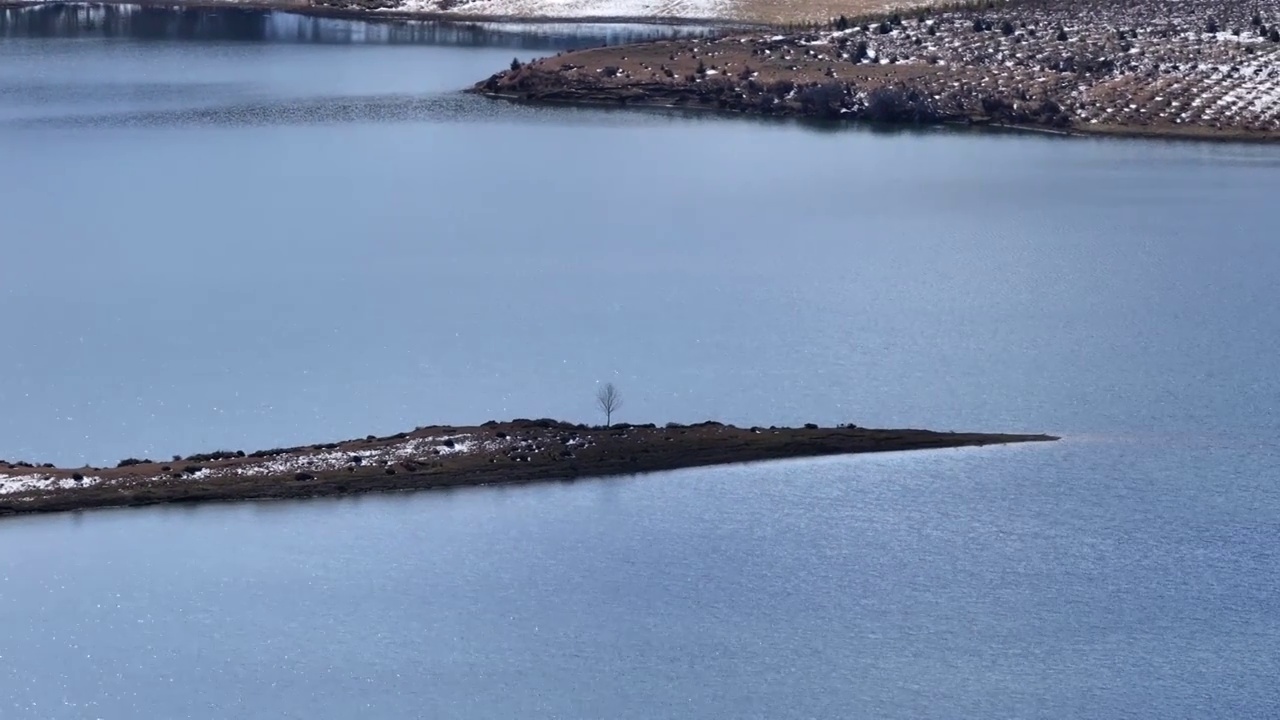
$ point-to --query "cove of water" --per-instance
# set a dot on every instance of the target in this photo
(273, 230)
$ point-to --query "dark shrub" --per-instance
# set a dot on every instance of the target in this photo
(890, 104)
(1211, 26)
(192, 469)
(215, 456)
(515, 64)
(978, 25)
(130, 462)
(810, 426)
(1006, 28)
(77, 477)
(1274, 35)
(449, 443)
(301, 477)
(993, 105)
(823, 100)
(884, 28)
(390, 471)
(1062, 35)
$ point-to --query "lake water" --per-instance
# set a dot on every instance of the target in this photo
(252, 230)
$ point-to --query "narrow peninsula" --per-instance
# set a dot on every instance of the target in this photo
(519, 451)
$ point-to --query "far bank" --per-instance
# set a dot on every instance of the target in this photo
(1128, 68)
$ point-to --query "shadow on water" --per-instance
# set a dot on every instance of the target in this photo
(449, 107)
(134, 22)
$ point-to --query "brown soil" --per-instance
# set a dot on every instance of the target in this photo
(520, 451)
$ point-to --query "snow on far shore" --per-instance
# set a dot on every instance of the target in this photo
(581, 8)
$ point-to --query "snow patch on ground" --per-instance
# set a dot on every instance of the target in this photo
(424, 449)
(581, 8)
(419, 449)
(11, 484)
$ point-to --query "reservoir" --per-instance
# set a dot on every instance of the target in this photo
(243, 230)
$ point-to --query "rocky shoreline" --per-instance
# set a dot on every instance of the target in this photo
(520, 451)
(1130, 67)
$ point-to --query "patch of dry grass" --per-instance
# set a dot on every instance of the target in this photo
(783, 12)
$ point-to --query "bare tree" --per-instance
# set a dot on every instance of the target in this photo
(608, 399)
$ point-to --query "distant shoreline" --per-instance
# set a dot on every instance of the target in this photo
(1133, 69)
(976, 123)
(520, 451)
(353, 13)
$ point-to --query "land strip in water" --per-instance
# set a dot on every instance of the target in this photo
(520, 451)
(1126, 67)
